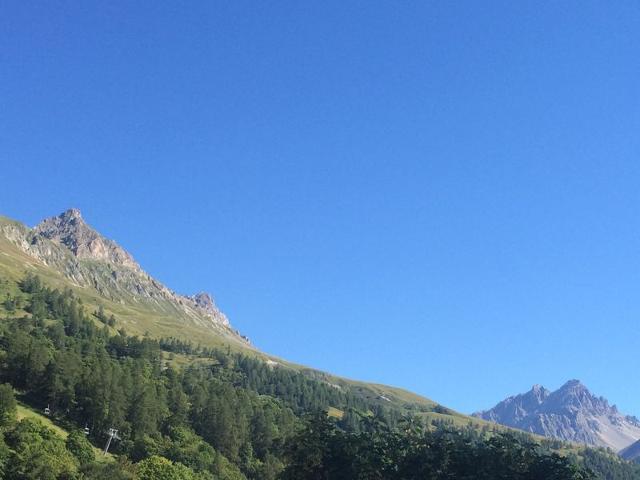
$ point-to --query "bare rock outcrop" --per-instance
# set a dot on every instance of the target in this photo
(87, 258)
(570, 413)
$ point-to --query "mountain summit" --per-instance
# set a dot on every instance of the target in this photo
(68, 245)
(570, 413)
(70, 229)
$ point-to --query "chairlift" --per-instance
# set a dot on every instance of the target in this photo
(47, 411)
(113, 433)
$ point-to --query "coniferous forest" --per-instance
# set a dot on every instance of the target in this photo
(221, 415)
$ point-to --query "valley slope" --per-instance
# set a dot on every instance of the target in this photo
(68, 254)
(82, 318)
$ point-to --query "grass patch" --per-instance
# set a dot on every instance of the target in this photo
(25, 411)
(335, 413)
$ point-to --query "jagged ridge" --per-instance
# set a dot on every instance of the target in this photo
(70, 230)
(87, 258)
(570, 413)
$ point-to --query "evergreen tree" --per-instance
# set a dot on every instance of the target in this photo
(228, 417)
(7, 406)
(80, 447)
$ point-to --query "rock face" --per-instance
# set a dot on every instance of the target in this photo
(70, 230)
(570, 413)
(517, 408)
(68, 244)
(204, 301)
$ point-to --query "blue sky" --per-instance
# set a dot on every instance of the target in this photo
(442, 196)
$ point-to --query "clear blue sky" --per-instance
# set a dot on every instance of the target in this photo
(443, 196)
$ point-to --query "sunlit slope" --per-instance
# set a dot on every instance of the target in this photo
(136, 317)
(25, 411)
(158, 320)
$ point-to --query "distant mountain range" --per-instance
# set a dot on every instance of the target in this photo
(570, 413)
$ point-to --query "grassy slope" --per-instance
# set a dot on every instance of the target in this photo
(27, 412)
(137, 319)
(24, 411)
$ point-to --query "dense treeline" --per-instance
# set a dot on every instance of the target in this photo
(324, 452)
(299, 392)
(606, 464)
(61, 360)
(296, 390)
(233, 417)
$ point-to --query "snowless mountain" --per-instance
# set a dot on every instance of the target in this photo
(88, 260)
(570, 413)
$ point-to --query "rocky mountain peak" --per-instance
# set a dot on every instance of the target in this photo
(574, 382)
(73, 214)
(574, 387)
(70, 229)
(69, 219)
(539, 392)
(204, 300)
(571, 413)
(67, 244)
(574, 395)
(516, 407)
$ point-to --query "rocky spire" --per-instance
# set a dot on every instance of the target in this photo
(73, 214)
(70, 229)
(204, 300)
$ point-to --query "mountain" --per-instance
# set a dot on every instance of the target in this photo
(67, 253)
(570, 413)
(95, 344)
(69, 247)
